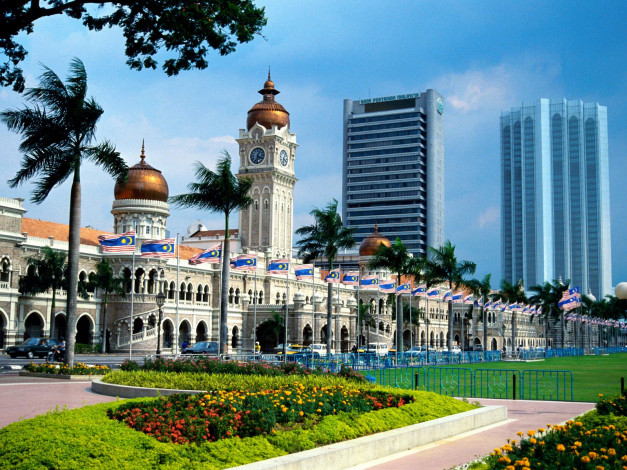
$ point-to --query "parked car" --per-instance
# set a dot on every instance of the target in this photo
(32, 347)
(417, 351)
(203, 347)
(380, 349)
(318, 349)
(455, 350)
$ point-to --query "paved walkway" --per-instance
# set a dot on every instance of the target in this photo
(26, 397)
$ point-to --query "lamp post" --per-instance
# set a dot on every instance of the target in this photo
(160, 301)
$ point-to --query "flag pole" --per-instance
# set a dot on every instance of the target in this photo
(313, 303)
(287, 299)
(337, 316)
(410, 325)
(130, 344)
(255, 312)
(178, 295)
(427, 321)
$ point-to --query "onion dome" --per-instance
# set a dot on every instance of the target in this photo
(268, 112)
(371, 243)
(143, 182)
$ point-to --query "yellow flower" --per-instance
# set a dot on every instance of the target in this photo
(592, 455)
(541, 430)
(519, 433)
(585, 459)
(301, 413)
(600, 467)
(533, 440)
(561, 448)
(531, 432)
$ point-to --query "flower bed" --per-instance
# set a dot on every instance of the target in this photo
(216, 366)
(597, 440)
(63, 369)
(184, 419)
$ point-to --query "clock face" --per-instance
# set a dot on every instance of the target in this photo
(440, 106)
(257, 155)
(283, 157)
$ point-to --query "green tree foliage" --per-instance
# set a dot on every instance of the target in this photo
(442, 266)
(224, 193)
(56, 136)
(48, 272)
(108, 283)
(186, 29)
(325, 237)
(482, 288)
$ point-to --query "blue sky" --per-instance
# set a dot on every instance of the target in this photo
(483, 57)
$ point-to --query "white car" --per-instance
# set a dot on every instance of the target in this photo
(319, 349)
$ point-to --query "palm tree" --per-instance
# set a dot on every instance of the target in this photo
(547, 296)
(48, 273)
(513, 293)
(442, 266)
(365, 317)
(56, 137)
(482, 288)
(325, 237)
(397, 259)
(219, 192)
(104, 280)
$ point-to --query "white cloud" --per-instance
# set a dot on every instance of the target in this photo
(489, 216)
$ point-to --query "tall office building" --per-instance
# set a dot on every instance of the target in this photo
(555, 201)
(393, 168)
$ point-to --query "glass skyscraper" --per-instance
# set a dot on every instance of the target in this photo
(555, 208)
(393, 168)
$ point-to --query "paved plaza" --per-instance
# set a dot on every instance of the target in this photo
(26, 397)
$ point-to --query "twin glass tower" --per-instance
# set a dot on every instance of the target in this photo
(555, 200)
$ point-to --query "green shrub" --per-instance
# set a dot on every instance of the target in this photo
(63, 369)
(616, 405)
(82, 348)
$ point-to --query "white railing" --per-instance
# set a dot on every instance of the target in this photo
(4, 285)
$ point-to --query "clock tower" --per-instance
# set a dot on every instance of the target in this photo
(267, 150)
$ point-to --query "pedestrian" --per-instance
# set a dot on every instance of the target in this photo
(184, 346)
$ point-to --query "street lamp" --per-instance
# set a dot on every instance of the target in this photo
(160, 301)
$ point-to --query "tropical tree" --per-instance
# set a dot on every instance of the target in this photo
(325, 237)
(513, 293)
(57, 133)
(108, 283)
(397, 259)
(225, 193)
(547, 295)
(482, 288)
(188, 28)
(48, 273)
(442, 266)
(365, 318)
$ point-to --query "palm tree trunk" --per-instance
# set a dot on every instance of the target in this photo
(399, 320)
(104, 325)
(329, 315)
(562, 335)
(226, 259)
(52, 307)
(485, 332)
(73, 260)
(513, 332)
(449, 337)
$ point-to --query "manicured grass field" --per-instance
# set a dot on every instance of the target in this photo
(592, 375)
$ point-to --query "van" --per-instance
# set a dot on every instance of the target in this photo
(319, 349)
(381, 349)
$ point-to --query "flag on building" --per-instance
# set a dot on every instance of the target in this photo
(403, 288)
(468, 299)
(505, 307)
(244, 262)
(351, 278)
(370, 281)
(304, 271)
(457, 297)
(333, 276)
(496, 304)
(447, 296)
(158, 248)
(420, 291)
(387, 287)
(433, 292)
(210, 255)
(121, 243)
(279, 266)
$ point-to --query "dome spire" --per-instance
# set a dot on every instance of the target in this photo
(268, 112)
(143, 154)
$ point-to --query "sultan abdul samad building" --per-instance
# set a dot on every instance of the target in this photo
(267, 152)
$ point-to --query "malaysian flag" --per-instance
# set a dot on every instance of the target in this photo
(505, 307)
(351, 278)
(368, 281)
(387, 287)
(458, 297)
(244, 262)
(447, 296)
(121, 243)
(468, 299)
(433, 292)
(210, 255)
(496, 304)
(420, 291)
(279, 266)
(158, 248)
(304, 271)
(403, 288)
(333, 276)
(570, 299)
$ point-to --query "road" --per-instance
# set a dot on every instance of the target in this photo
(112, 360)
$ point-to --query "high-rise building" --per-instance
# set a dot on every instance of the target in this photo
(555, 207)
(393, 168)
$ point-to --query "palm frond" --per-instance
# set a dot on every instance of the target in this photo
(109, 159)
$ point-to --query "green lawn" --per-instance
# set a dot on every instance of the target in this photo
(591, 374)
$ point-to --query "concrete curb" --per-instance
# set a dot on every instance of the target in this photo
(369, 448)
(42, 375)
(128, 391)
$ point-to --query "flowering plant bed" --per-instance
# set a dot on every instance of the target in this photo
(184, 419)
(63, 369)
(597, 440)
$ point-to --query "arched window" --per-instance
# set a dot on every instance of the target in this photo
(205, 294)
(172, 291)
(182, 291)
(237, 292)
(278, 298)
(190, 292)
(199, 293)
(5, 270)
(284, 299)
(260, 296)
(231, 295)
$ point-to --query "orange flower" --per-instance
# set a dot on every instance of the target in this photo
(561, 448)
(585, 459)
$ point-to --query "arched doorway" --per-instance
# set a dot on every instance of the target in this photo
(138, 325)
(345, 343)
(423, 340)
(494, 344)
(184, 331)
(407, 338)
(60, 326)
(235, 337)
(432, 340)
(167, 333)
(270, 334)
(441, 345)
(201, 332)
(323, 334)
(84, 330)
(34, 325)
(3, 328)
(307, 335)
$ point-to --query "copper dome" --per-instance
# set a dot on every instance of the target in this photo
(371, 243)
(143, 182)
(268, 112)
